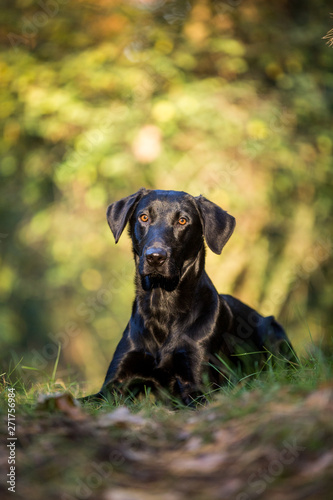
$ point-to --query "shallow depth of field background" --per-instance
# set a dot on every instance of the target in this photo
(229, 99)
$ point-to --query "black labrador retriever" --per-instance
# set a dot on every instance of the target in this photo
(182, 332)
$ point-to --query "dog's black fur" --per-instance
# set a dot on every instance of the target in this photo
(181, 328)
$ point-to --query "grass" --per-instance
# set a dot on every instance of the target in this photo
(312, 370)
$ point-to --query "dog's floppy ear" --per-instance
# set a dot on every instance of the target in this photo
(217, 224)
(119, 213)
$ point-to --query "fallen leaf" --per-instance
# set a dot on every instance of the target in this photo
(122, 494)
(121, 417)
(63, 402)
(318, 466)
(207, 462)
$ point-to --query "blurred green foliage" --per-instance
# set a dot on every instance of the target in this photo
(229, 99)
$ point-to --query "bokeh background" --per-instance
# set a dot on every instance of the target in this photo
(231, 99)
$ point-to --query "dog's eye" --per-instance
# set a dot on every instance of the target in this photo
(144, 218)
(182, 221)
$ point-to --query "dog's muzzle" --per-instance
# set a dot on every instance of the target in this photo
(156, 256)
(157, 270)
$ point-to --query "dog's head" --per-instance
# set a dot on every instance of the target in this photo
(167, 230)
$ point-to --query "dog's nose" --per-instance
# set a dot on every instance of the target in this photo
(156, 256)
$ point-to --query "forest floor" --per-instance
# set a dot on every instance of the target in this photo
(272, 440)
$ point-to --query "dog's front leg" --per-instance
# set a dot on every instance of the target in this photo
(117, 373)
(131, 366)
(129, 361)
(187, 365)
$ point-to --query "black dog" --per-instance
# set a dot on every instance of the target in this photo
(182, 331)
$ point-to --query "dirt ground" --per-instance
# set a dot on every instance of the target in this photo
(253, 446)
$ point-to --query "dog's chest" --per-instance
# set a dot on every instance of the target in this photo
(160, 323)
(158, 331)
